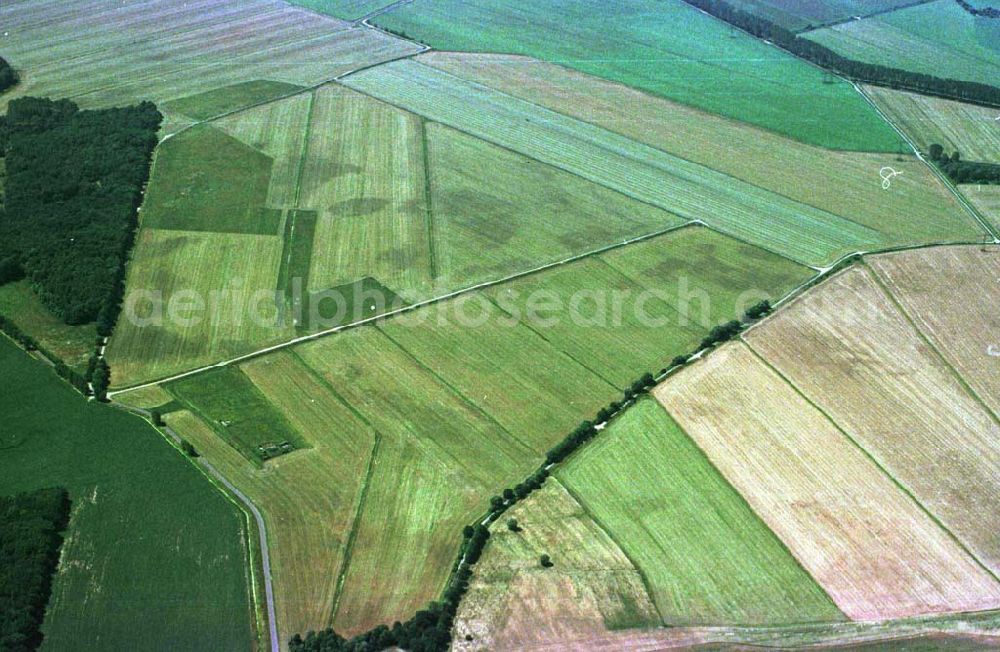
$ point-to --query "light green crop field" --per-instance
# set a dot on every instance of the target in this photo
(208, 104)
(206, 180)
(234, 274)
(916, 208)
(632, 309)
(797, 15)
(705, 555)
(938, 38)
(154, 555)
(662, 46)
(690, 190)
(73, 344)
(496, 212)
(364, 173)
(511, 373)
(177, 49)
(239, 413)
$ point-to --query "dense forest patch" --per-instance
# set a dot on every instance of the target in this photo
(8, 76)
(30, 538)
(73, 182)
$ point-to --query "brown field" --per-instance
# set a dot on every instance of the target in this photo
(951, 294)
(894, 395)
(514, 603)
(308, 498)
(970, 129)
(870, 546)
(844, 183)
(102, 53)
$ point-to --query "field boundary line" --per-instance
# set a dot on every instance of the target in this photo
(871, 458)
(345, 561)
(970, 209)
(458, 394)
(923, 336)
(760, 519)
(851, 19)
(428, 197)
(642, 575)
(556, 348)
(253, 518)
(408, 308)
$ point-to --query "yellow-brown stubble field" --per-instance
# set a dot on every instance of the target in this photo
(952, 295)
(869, 545)
(848, 349)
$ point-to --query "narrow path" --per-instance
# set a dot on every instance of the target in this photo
(851, 19)
(384, 10)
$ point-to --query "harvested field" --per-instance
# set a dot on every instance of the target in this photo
(950, 293)
(936, 38)
(234, 274)
(986, 199)
(309, 497)
(631, 310)
(664, 47)
(278, 130)
(527, 386)
(364, 174)
(346, 9)
(892, 394)
(513, 603)
(692, 191)
(102, 54)
(970, 129)
(868, 544)
(496, 212)
(705, 556)
(206, 105)
(918, 207)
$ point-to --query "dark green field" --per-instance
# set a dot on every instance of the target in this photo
(154, 556)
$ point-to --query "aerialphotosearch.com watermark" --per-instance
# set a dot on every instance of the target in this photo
(684, 302)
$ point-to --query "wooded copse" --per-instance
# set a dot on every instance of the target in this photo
(8, 76)
(31, 526)
(961, 171)
(74, 180)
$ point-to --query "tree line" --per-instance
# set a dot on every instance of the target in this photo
(430, 629)
(870, 73)
(31, 526)
(961, 171)
(8, 76)
(987, 12)
(74, 180)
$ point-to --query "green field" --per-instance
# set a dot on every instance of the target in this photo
(497, 212)
(208, 181)
(219, 101)
(689, 190)
(662, 46)
(632, 309)
(706, 557)
(153, 557)
(798, 15)
(241, 415)
(938, 38)
(73, 344)
(346, 9)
